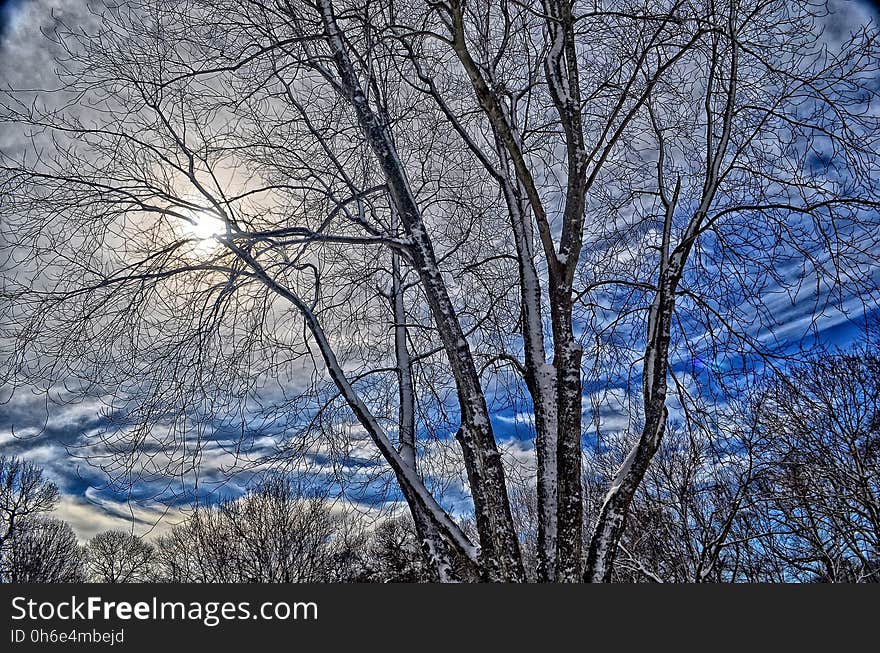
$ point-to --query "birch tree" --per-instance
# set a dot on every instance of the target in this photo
(424, 209)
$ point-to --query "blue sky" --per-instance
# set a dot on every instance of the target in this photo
(52, 434)
(9, 9)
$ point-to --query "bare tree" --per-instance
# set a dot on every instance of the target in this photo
(272, 534)
(119, 557)
(192, 552)
(394, 554)
(689, 522)
(783, 487)
(43, 550)
(24, 493)
(820, 492)
(428, 209)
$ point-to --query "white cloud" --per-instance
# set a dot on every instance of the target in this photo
(518, 418)
(10, 436)
(94, 514)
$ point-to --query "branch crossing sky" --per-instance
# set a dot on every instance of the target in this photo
(50, 435)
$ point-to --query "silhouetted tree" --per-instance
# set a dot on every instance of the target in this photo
(819, 492)
(24, 493)
(43, 550)
(119, 557)
(395, 555)
(271, 534)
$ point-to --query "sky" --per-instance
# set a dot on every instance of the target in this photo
(51, 435)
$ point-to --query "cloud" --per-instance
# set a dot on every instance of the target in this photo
(10, 436)
(517, 418)
(92, 513)
(45, 434)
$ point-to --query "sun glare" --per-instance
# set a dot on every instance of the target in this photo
(203, 227)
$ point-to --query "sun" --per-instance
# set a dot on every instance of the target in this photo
(202, 227)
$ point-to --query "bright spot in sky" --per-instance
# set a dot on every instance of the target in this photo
(206, 226)
(203, 227)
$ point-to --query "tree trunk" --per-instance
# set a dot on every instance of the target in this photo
(570, 510)
(500, 553)
(434, 547)
(539, 376)
(612, 516)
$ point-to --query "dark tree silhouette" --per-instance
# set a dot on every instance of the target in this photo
(272, 534)
(24, 493)
(119, 557)
(820, 487)
(43, 550)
